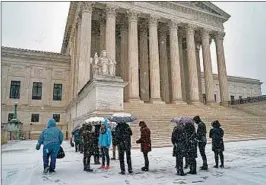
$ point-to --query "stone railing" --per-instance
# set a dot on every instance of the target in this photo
(247, 100)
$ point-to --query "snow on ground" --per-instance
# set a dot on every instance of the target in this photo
(245, 164)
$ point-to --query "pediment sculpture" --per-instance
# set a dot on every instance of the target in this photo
(103, 65)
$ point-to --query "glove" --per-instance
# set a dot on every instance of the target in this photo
(38, 146)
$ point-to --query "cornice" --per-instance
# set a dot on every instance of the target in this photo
(34, 55)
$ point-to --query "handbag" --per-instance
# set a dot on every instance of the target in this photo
(61, 153)
(71, 143)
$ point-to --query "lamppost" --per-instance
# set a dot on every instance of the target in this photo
(16, 111)
(30, 130)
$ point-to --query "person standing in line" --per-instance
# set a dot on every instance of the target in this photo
(191, 140)
(80, 133)
(113, 145)
(89, 145)
(217, 133)
(76, 140)
(96, 141)
(105, 140)
(145, 142)
(179, 141)
(51, 138)
(123, 141)
(202, 141)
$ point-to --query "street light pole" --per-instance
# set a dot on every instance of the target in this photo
(16, 111)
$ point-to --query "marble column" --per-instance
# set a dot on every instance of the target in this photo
(77, 51)
(222, 74)
(102, 33)
(154, 61)
(110, 31)
(181, 60)
(175, 64)
(164, 82)
(124, 57)
(192, 65)
(207, 64)
(133, 63)
(85, 44)
(144, 63)
(199, 70)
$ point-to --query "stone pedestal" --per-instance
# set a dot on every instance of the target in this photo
(103, 93)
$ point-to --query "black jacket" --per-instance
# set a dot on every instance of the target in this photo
(179, 141)
(122, 137)
(191, 139)
(201, 132)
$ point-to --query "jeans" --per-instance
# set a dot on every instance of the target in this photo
(105, 153)
(146, 159)
(202, 152)
(121, 159)
(50, 152)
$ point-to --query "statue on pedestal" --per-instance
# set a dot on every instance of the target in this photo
(103, 65)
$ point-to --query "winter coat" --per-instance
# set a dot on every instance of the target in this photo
(191, 140)
(179, 141)
(88, 136)
(201, 132)
(145, 139)
(80, 133)
(123, 137)
(50, 136)
(217, 133)
(76, 136)
(105, 138)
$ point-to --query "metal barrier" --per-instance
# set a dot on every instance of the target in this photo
(248, 100)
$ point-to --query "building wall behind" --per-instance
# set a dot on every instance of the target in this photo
(28, 67)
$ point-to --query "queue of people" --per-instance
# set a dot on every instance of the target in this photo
(91, 139)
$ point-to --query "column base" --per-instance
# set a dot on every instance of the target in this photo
(225, 104)
(156, 101)
(212, 102)
(134, 100)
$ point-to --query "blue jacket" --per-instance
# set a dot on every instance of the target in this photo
(50, 136)
(106, 138)
(76, 135)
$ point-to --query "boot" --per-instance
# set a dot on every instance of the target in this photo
(204, 166)
(46, 169)
(122, 172)
(182, 172)
(88, 169)
(222, 160)
(145, 168)
(216, 162)
(193, 168)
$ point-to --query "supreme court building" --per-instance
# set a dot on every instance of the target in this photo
(156, 46)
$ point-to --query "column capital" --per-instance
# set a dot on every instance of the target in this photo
(102, 18)
(123, 27)
(219, 35)
(173, 24)
(190, 27)
(111, 10)
(86, 7)
(143, 26)
(132, 15)
(205, 33)
(153, 20)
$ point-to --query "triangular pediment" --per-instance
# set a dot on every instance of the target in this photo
(206, 6)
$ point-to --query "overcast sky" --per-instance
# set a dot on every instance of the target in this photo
(40, 26)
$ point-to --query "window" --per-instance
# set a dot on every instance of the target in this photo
(215, 98)
(15, 90)
(232, 98)
(240, 97)
(10, 116)
(56, 117)
(37, 91)
(35, 117)
(57, 94)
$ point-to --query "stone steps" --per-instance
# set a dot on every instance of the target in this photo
(237, 125)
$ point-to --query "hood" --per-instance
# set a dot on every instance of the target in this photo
(216, 124)
(105, 123)
(51, 123)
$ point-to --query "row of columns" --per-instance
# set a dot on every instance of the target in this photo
(149, 63)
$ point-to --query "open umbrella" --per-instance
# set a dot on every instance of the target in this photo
(121, 117)
(183, 119)
(95, 120)
(112, 125)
